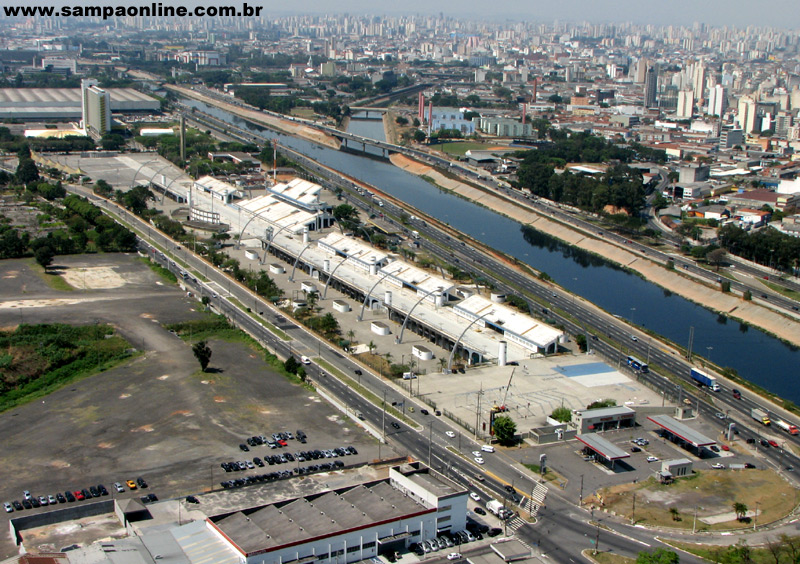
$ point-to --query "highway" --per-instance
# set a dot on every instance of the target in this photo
(562, 530)
(606, 335)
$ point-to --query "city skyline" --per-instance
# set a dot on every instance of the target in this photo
(715, 13)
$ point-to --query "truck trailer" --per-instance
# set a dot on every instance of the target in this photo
(704, 379)
(760, 415)
(496, 508)
(788, 427)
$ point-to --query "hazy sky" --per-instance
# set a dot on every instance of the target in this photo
(741, 13)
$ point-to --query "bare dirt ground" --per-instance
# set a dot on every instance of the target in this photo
(750, 312)
(157, 416)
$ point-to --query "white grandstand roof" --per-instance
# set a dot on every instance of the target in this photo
(421, 280)
(299, 190)
(509, 320)
(268, 209)
(351, 248)
(218, 187)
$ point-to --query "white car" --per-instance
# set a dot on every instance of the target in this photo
(450, 434)
(8, 507)
(305, 360)
(454, 556)
(474, 497)
(118, 487)
(479, 460)
(652, 459)
(718, 466)
(476, 453)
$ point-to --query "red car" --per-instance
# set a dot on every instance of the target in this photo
(78, 495)
(282, 442)
(724, 447)
(773, 443)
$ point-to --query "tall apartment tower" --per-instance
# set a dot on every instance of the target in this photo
(650, 87)
(685, 104)
(746, 115)
(699, 81)
(96, 108)
(717, 100)
(641, 71)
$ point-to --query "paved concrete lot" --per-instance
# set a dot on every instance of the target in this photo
(538, 387)
(158, 416)
(567, 460)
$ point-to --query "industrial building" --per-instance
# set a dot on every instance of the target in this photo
(28, 104)
(348, 524)
(348, 521)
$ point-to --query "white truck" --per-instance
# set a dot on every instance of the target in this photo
(496, 508)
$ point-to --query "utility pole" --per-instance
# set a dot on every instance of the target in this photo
(755, 517)
(383, 418)
(478, 411)
(691, 340)
(430, 443)
(694, 524)
(580, 497)
(633, 511)
(597, 538)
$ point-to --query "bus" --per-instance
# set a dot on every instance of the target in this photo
(637, 365)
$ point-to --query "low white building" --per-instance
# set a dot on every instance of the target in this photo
(348, 524)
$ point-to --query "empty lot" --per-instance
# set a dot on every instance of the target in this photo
(157, 416)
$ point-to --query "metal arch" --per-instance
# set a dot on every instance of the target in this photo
(269, 243)
(361, 315)
(135, 174)
(330, 277)
(408, 315)
(455, 345)
(291, 278)
(239, 239)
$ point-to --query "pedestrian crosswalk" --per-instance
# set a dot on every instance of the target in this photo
(531, 505)
(514, 523)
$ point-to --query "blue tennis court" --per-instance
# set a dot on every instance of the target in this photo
(577, 370)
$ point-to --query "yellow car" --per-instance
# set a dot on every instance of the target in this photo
(131, 484)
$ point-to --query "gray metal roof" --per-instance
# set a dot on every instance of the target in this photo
(681, 430)
(606, 411)
(603, 447)
(305, 518)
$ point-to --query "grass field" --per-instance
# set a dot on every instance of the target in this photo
(711, 492)
(459, 148)
(36, 360)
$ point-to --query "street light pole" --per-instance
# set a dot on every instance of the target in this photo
(430, 443)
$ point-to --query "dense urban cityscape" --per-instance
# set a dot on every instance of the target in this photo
(351, 287)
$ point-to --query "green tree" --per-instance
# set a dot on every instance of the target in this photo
(740, 509)
(346, 215)
(717, 257)
(202, 352)
(580, 340)
(562, 414)
(676, 516)
(419, 136)
(27, 171)
(103, 188)
(44, 256)
(658, 556)
(301, 373)
(291, 365)
(504, 429)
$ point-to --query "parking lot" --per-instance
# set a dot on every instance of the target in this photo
(157, 417)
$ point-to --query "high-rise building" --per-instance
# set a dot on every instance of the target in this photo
(746, 114)
(783, 121)
(717, 100)
(640, 71)
(96, 108)
(699, 80)
(730, 137)
(685, 104)
(650, 87)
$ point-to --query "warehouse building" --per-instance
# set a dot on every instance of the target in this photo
(30, 104)
(349, 524)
